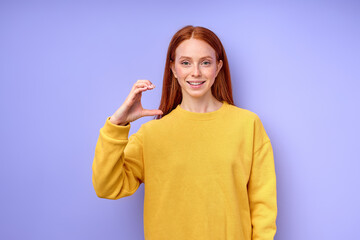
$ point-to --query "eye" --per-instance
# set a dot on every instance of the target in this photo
(206, 62)
(185, 63)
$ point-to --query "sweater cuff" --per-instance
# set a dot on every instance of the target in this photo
(116, 131)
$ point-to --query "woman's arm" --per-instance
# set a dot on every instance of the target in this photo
(118, 168)
(262, 187)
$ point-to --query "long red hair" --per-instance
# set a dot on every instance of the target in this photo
(171, 90)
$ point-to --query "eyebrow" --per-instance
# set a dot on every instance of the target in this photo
(190, 57)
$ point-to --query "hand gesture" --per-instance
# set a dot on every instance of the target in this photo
(132, 109)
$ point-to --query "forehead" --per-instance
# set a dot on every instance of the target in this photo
(194, 48)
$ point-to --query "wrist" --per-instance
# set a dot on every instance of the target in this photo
(118, 122)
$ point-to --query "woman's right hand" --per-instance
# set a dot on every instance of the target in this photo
(132, 109)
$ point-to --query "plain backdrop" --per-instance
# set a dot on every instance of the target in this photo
(65, 66)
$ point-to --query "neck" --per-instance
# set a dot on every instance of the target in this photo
(201, 105)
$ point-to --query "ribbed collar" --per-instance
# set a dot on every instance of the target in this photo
(200, 116)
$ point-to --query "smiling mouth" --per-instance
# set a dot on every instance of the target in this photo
(195, 83)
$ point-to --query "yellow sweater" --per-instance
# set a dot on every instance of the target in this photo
(207, 176)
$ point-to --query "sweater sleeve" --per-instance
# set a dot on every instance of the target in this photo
(262, 186)
(118, 168)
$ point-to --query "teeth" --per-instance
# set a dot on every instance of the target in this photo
(193, 83)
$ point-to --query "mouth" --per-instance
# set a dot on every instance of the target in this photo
(195, 83)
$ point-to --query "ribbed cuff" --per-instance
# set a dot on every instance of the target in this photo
(116, 131)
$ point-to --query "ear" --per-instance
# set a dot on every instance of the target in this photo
(172, 67)
(219, 66)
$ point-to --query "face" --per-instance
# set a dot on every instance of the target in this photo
(195, 62)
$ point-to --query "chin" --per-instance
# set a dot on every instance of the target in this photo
(196, 95)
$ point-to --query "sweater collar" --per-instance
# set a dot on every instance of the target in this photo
(200, 116)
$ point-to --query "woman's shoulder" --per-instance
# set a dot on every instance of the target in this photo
(242, 112)
(248, 119)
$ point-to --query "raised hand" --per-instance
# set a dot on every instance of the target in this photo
(132, 109)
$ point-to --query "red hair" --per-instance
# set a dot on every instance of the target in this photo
(171, 90)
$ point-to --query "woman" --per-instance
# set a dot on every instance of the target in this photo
(207, 165)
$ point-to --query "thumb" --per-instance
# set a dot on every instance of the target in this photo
(147, 112)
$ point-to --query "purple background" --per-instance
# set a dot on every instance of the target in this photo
(66, 66)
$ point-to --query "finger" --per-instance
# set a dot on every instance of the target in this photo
(137, 89)
(147, 112)
(143, 80)
(146, 82)
(144, 85)
(140, 89)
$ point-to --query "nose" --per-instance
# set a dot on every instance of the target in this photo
(196, 71)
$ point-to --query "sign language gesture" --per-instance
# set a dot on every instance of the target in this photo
(132, 109)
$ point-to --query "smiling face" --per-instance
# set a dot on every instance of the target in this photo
(195, 63)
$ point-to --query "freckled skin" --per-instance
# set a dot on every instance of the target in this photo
(195, 68)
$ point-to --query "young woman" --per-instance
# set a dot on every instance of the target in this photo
(207, 165)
